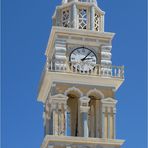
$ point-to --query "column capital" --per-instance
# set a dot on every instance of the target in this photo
(109, 109)
(58, 99)
(114, 110)
(84, 109)
(84, 99)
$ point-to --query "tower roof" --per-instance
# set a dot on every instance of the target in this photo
(85, 1)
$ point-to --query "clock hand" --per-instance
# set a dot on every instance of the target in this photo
(88, 58)
(85, 56)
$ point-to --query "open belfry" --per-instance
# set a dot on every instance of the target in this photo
(79, 82)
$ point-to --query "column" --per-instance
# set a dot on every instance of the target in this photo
(59, 108)
(108, 118)
(102, 23)
(65, 113)
(55, 122)
(84, 115)
(74, 16)
(114, 123)
(97, 108)
(103, 125)
(103, 122)
(60, 119)
(84, 108)
(92, 15)
(46, 116)
(109, 122)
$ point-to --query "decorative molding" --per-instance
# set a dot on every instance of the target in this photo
(73, 89)
(84, 109)
(59, 96)
(85, 99)
(81, 141)
(96, 92)
(109, 101)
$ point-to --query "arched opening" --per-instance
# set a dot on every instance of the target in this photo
(73, 111)
(95, 113)
(73, 114)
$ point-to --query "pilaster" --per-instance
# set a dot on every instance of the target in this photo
(108, 118)
(92, 15)
(60, 55)
(106, 63)
(59, 110)
(74, 15)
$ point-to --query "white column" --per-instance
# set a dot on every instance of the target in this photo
(65, 111)
(55, 121)
(103, 124)
(47, 117)
(92, 15)
(59, 106)
(114, 123)
(109, 128)
(97, 119)
(102, 23)
(84, 108)
(84, 115)
(74, 18)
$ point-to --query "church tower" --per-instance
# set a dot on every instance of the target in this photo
(79, 82)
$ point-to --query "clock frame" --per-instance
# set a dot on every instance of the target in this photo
(83, 59)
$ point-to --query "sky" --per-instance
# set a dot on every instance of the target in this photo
(26, 26)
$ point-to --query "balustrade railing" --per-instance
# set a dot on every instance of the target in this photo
(98, 70)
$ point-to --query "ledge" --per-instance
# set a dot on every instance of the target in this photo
(69, 140)
(50, 77)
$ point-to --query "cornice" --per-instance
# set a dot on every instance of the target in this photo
(75, 32)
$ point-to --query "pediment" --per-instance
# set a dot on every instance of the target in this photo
(59, 96)
(109, 100)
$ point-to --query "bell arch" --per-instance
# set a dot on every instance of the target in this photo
(73, 94)
(95, 118)
(95, 93)
(74, 91)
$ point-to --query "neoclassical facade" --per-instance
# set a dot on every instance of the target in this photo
(79, 82)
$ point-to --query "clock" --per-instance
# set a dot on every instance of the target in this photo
(83, 59)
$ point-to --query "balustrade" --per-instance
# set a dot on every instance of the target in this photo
(98, 70)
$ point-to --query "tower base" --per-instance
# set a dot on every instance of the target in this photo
(51, 141)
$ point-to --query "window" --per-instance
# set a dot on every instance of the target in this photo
(82, 18)
(97, 22)
(66, 18)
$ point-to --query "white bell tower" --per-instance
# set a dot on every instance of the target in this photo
(79, 82)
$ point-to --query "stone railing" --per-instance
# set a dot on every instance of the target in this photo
(98, 70)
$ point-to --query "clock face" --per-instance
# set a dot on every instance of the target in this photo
(83, 59)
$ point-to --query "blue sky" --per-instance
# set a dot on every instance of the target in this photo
(25, 29)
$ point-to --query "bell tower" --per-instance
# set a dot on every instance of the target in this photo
(79, 82)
